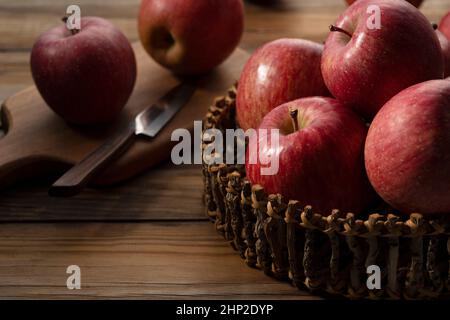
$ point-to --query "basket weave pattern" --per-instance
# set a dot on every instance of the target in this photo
(289, 241)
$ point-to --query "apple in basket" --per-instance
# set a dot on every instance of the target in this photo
(190, 36)
(278, 72)
(320, 155)
(366, 60)
(407, 153)
(85, 76)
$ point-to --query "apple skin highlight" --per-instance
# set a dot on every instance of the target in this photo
(415, 3)
(322, 163)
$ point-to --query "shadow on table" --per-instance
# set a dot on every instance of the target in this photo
(166, 192)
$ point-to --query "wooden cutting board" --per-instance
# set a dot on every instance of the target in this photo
(40, 144)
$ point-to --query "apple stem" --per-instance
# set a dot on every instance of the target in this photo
(294, 113)
(337, 29)
(434, 25)
(73, 31)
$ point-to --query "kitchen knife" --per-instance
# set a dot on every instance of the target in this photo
(147, 123)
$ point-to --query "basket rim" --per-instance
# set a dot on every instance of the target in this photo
(392, 223)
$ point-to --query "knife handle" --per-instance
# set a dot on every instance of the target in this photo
(74, 180)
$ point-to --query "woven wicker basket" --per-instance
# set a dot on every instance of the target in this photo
(288, 241)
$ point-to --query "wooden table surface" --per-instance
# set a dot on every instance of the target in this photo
(132, 240)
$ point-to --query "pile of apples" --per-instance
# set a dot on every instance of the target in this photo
(365, 116)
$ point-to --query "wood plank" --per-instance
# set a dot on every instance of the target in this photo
(162, 260)
(15, 73)
(144, 260)
(167, 192)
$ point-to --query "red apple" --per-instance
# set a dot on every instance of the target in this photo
(445, 45)
(364, 66)
(415, 3)
(86, 77)
(190, 36)
(444, 25)
(320, 155)
(407, 151)
(278, 72)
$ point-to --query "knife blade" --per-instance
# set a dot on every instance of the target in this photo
(147, 123)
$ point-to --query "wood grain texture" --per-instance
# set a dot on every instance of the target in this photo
(157, 260)
(135, 241)
(149, 197)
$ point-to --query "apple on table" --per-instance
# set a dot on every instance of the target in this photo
(320, 155)
(86, 76)
(364, 67)
(190, 36)
(407, 152)
(280, 71)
